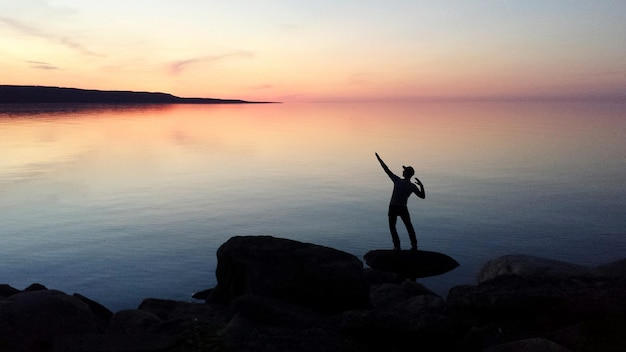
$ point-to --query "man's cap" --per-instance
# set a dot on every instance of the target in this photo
(409, 170)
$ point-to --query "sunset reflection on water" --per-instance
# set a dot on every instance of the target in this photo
(148, 193)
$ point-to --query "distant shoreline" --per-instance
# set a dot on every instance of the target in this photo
(14, 94)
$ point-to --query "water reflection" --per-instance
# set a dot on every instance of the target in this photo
(141, 197)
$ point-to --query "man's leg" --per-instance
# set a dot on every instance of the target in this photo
(393, 218)
(406, 218)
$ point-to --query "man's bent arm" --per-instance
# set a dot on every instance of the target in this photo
(421, 192)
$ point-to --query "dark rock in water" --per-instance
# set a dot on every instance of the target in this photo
(319, 277)
(410, 264)
(203, 295)
(529, 266)
(615, 269)
(35, 287)
(30, 320)
(8, 291)
(101, 313)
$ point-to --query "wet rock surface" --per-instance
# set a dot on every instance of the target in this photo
(521, 303)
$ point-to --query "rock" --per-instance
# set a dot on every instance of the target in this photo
(510, 308)
(269, 311)
(411, 264)
(543, 294)
(523, 303)
(376, 277)
(529, 266)
(417, 323)
(533, 344)
(263, 323)
(31, 320)
(35, 287)
(408, 316)
(8, 291)
(319, 277)
(615, 269)
(180, 316)
(203, 295)
(387, 295)
(101, 313)
(133, 322)
(241, 332)
(245, 335)
(117, 343)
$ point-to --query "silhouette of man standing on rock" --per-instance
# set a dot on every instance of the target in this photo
(402, 189)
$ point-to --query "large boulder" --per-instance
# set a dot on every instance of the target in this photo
(31, 320)
(319, 277)
(530, 266)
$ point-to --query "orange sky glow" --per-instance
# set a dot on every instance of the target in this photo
(312, 51)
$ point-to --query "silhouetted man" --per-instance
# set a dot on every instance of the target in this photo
(402, 189)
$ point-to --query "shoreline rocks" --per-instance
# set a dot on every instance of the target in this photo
(530, 266)
(319, 277)
(281, 295)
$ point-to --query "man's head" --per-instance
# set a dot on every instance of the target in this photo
(408, 171)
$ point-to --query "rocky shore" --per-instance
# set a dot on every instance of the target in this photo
(275, 294)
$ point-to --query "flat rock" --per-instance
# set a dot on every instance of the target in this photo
(410, 264)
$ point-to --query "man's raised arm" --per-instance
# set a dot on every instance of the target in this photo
(382, 163)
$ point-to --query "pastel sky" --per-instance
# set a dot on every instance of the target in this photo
(322, 50)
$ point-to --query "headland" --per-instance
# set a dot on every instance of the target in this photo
(16, 94)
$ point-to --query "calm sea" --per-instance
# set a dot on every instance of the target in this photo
(123, 203)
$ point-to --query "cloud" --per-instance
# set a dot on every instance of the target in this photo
(179, 66)
(31, 31)
(21, 27)
(42, 65)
